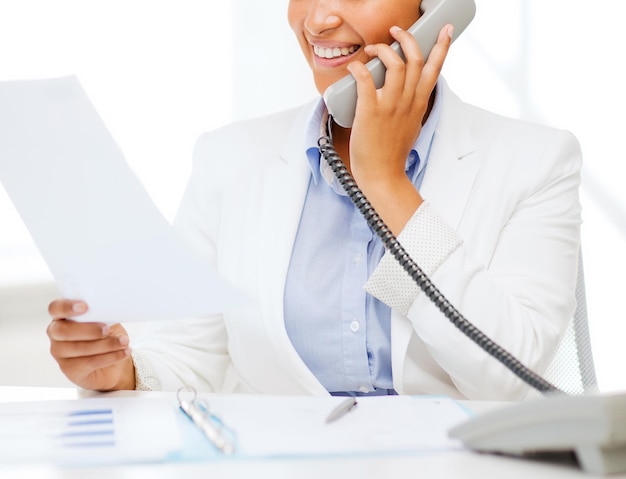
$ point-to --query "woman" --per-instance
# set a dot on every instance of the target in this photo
(486, 205)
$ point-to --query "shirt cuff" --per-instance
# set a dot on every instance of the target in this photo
(429, 240)
(145, 377)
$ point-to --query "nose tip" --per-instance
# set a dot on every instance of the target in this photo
(317, 23)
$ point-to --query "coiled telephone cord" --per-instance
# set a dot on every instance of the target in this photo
(392, 245)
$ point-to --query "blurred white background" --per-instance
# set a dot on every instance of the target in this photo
(162, 71)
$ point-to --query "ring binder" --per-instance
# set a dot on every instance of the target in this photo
(211, 425)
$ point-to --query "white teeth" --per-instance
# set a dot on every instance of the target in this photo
(333, 52)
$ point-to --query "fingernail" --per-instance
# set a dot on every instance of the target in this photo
(395, 29)
(79, 307)
(123, 340)
(106, 329)
(450, 31)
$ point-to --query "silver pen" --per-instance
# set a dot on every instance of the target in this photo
(342, 409)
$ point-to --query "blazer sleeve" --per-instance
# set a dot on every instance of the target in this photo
(169, 354)
(521, 294)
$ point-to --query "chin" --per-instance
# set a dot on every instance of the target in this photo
(321, 86)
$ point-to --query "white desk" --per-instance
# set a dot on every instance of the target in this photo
(456, 465)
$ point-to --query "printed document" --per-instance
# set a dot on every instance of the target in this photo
(128, 429)
(89, 431)
(283, 426)
(96, 227)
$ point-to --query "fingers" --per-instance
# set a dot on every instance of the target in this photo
(432, 68)
(403, 79)
(394, 64)
(92, 355)
(80, 369)
(365, 87)
(62, 329)
(82, 348)
(68, 330)
(66, 308)
(73, 339)
(63, 349)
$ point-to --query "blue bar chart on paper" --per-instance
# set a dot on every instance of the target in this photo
(87, 431)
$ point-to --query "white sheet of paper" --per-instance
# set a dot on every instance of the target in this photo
(89, 431)
(283, 426)
(101, 235)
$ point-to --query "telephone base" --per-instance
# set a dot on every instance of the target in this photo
(562, 458)
(591, 460)
(602, 460)
(593, 427)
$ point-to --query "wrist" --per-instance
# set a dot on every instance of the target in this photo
(394, 201)
(127, 376)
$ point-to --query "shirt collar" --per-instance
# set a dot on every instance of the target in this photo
(420, 150)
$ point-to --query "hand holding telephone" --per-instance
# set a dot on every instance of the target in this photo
(341, 96)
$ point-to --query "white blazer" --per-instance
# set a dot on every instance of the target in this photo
(499, 233)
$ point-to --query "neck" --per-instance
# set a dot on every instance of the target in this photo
(341, 142)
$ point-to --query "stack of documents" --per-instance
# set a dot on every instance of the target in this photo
(121, 430)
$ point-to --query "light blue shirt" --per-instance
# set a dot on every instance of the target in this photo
(341, 332)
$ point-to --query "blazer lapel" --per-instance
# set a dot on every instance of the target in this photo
(285, 187)
(452, 165)
(450, 175)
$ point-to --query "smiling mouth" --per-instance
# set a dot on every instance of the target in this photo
(335, 52)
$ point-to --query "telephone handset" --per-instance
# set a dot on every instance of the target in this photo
(593, 426)
(340, 97)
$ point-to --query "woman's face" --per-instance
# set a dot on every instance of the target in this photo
(332, 33)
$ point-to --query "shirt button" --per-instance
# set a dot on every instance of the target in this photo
(364, 389)
(358, 258)
(354, 326)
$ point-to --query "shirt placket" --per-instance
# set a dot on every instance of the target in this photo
(353, 316)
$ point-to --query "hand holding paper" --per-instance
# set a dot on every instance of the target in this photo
(103, 239)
